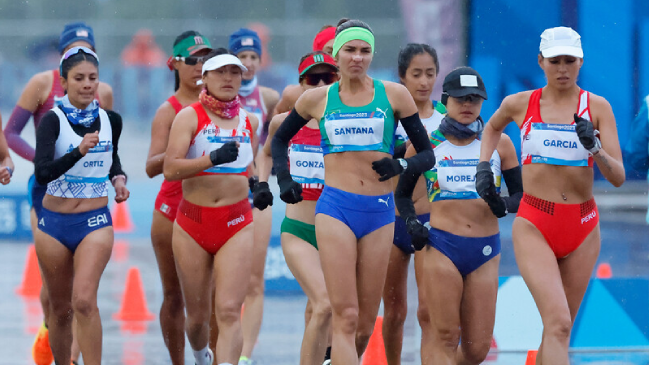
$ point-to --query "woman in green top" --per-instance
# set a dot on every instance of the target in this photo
(355, 213)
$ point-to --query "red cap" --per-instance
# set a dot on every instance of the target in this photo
(323, 37)
(317, 58)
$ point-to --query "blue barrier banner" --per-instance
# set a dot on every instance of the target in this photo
(14, 218)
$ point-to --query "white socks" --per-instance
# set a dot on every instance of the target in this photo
(204, 356)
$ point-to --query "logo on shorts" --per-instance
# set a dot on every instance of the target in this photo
(236, 221)
(97, 220)
(164, 208)
(487, 250)
(385, 201)
(41, 222)
(590, 216)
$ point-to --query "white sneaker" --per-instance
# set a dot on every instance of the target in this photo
(245, 361)
(327, 362)
(209, 357)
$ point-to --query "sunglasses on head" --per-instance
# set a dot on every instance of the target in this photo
(315, 78)
(192, 60)
(74, 50)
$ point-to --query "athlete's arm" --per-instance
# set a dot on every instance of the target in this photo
(105, 93)
(160, 128)
(176, 165)
(30, 99)
(509, 110)
(254, 139)
(46, 168)
(609, 157)
(406, 206)
(265, 160)
(116, 127)
(7, 165)
(290, 94)
(511, 172)
(271, 98)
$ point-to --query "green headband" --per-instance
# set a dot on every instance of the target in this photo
(191, 44)
(351, 34)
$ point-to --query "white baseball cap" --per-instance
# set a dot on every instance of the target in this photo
(561, 41)
(219, 61)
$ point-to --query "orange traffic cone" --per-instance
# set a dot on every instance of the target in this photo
(604, 271)
(375, 352)
(32, 282)
(122, 222)
(133, 301)
(531, 357)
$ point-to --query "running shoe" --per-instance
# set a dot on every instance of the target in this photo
(245, 361)
(327, 362)
(41, 351)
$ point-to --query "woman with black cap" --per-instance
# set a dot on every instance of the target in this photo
(39, 96)
(190, 50)
(556, 232)
(462, 249)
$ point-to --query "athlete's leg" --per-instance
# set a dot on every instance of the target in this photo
(194, 268)
(56, 263)
(395, 304)
(444, 297)
(423, 316)
(540, 270)
(254, 303)
(478, 313)
(371, 269)
(232, 268)
(172, 311)
(75, 350)
(214, 327)
(45, 301)
(338, 250)
(304, 262)
(90, 260)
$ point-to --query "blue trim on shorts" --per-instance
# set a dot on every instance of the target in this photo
(71, 228)
(467, 253)
(402, 239)
(363, 214)
(36, 193)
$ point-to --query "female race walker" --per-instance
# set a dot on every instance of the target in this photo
(556, 233)
(76, 157)
(355, 213)
(260, 101)
(210, 148)
(460, 262)
(189, 52)
(418, 68)
(298, 230)
(39, 96)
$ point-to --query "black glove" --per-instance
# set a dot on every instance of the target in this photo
(252, 182)
(261, 196)
(289, 190)
(418, 232)
(387, 168)
(586, 132)
(226, 153)
(486, 188)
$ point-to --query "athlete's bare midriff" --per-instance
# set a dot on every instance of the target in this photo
(73, 205)
(215, 190)
(466, 218)
(352, 172)
(559, 184)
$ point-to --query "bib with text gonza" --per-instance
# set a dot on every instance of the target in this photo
(306, 163)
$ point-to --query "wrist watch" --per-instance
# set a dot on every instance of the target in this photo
(403, 163)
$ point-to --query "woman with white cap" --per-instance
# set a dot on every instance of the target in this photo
(210, 149)
(556, 234)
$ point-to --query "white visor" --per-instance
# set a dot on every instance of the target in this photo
(219, 61)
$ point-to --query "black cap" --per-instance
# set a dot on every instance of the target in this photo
(464, 81)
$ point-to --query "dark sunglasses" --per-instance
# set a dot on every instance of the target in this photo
(193, 60)
(315, 78)
(471, 98)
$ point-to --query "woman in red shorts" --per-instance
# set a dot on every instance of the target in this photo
(556, 233)
(189, 51)
(210, 148)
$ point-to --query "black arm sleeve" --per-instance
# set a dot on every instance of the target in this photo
(400, 150)
(425, 158)
(116, 126)
(514, 181)
(279, 147)
(403, 195)
(46, 168)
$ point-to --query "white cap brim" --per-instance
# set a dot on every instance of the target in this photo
(562, 51)
(221, 60)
